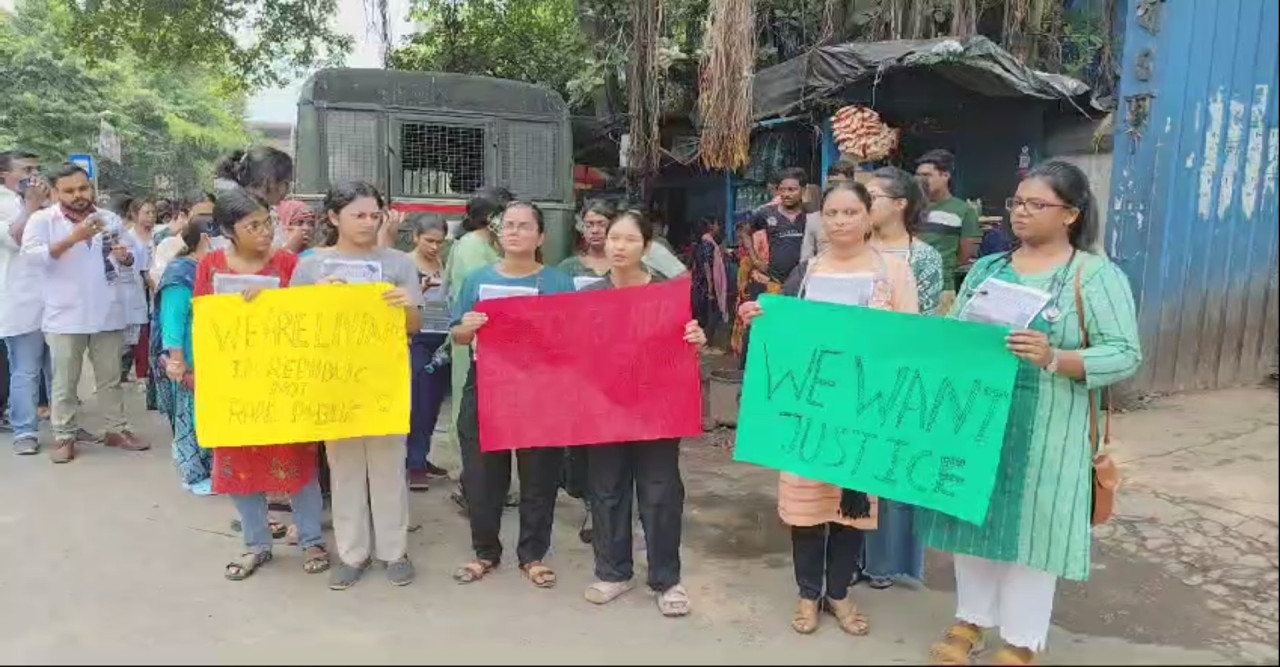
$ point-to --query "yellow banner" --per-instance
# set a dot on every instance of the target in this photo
(300, 365)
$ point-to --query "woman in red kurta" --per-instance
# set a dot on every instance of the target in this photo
(247, 474)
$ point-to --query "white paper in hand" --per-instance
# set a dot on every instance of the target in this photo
(846, 289)
(1004, 303)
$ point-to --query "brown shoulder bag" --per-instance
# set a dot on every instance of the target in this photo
(1106, 475)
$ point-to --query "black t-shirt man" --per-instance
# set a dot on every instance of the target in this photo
(783, 224)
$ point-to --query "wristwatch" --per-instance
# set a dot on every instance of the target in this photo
(1052, 367)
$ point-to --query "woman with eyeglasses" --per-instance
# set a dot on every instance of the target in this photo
(649, 472)
(370, 493)
(486, 476)
(1038, 529)
(898, 209)
(828, 523)
(248, 474)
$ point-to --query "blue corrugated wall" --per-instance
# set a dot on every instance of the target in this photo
(1194, 218)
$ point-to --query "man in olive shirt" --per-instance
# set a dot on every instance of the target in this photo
(952, 228)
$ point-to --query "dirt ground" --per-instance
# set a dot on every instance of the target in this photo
(108, 560)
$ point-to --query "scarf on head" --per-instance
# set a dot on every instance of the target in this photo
(291, 211)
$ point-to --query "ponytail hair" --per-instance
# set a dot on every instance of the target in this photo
(1072, 187)
(901, 185)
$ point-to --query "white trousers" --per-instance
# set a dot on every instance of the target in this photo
(1012, 597)
(370, 498)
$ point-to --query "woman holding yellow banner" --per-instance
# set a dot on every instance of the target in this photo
(248, 474)
(1075, 330)
(370, 489)
(826, 521)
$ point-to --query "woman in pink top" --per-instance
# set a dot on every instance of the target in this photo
(826, 521)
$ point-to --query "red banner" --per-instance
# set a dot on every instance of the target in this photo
(589, 368)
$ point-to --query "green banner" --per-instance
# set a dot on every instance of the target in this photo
(899, 406)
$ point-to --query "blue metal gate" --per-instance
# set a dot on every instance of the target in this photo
(1194, 218)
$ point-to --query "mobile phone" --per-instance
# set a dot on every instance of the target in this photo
(24, 185)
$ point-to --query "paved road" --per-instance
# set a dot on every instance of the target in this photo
(106, 559)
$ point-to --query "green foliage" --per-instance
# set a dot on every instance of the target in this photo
(173, 122)
(262, 41)
(526, 40)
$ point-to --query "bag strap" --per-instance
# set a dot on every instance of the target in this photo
(1105, 440)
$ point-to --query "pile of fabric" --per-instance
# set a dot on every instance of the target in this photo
(861, 134)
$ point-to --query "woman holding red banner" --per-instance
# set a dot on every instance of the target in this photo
(486, 476)
(826, 521)
(248, 474)
(649, 471)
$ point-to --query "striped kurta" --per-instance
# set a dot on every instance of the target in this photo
(1041, 505)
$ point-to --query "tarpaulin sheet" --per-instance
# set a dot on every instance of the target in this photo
(976, 64)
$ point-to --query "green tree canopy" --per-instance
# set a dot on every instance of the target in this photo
(173, 122)
(527, 40)
(262, 42)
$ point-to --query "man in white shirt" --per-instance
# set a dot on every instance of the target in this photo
(22, 194)
(80, 249)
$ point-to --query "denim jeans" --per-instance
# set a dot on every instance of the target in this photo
(27, 360)
(308, 511)
(428, 389)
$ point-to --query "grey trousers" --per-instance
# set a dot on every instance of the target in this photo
(68, 351)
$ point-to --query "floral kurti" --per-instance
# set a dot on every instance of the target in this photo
(269, 468)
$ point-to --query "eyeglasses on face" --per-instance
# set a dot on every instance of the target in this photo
(1032, 205)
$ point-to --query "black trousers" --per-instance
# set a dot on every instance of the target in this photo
(486, 478)
(826, 554)
(575, 472)
(650, 472)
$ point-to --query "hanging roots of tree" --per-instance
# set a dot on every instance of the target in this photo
(725, 84)
(645, 85)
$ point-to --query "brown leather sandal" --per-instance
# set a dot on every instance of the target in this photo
(806, 619)
(474, 571)
(848, 617)
(958, 646)
(539, 574)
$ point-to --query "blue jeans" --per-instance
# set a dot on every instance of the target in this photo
(27, 358)
(308, 511)
(428, 390)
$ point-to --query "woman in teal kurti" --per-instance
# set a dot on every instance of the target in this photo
(171, 341)
(475, 249)
(1037, 528)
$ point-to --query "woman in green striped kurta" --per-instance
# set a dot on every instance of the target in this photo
(1038, 526)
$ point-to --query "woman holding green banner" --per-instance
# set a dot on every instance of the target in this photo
(1074, 329)
(898, 208)
(827, 522)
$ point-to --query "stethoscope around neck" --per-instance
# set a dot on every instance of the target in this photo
(1051, 312)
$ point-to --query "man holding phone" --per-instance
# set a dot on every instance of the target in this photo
(22, 194)
(80, 249)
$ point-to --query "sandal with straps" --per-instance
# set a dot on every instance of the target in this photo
(848, 617)
(958, 646)
(316, 560)
(474, 571)
(243, 567)
(805, 620)
(538, 573)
